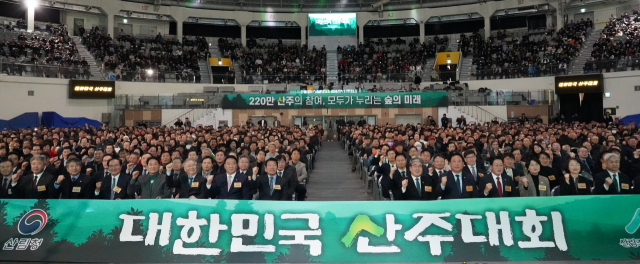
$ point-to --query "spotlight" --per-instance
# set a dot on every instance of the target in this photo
(149, 72)
(32, 3)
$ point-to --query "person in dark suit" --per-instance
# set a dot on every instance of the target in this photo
(574, 183)
(438, 168)
(418, 187)
(611, 181)
(37, 185)
(586, 163)
(76, 185)
(98, 175)
(262, 122)
(496, 184)
(393, 174)
(455, 184)
(444, 120)
(472, 167)
(174, 172)
(270, 186)
(276, 122)
(113, 187)
(6, 170)
(231, 185)
(290, 175)
(510, 168)
(151, 185)
(191, 184)
(132, 164)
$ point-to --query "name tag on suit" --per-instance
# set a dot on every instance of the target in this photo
(582, 185)
(76, 189)
(552, 178)
(624, 186)
(507, 188)
(276, 187)
(117, 189)
(469, 188)
(42, 188)
(542, 187)
(195, 184)
(427, 188)
(237, 185)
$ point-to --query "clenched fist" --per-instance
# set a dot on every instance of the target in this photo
(130, 166)
(89, 170)
(566, 177)
(255, 171)
(608, 181)
(135, 174)
(15, 178)
(488, 187)
(430, 170)
(98, 185)
(60, 179)
(405, 183)
(169, 166)
(393, 170)
(24, 165)
(525, 182)
(209, 179)
(443, 181)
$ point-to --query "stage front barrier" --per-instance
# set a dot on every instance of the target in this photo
(181, 230)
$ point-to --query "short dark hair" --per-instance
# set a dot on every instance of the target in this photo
(152, 158)
(499, 157)
(119, 161)
(231, 157)
(469, 152)
(453, 154)
(209, 158)
(271, 159)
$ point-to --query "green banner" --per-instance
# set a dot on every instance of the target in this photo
(335, 24)
(331, 100)
(179, 230)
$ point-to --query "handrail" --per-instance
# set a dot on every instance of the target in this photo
(206, 110)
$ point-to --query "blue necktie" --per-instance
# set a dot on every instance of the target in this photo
(271, 180)
(458, 183)
(418, 186)
(586, 165)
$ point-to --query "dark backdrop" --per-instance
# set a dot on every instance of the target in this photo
(590, 109)
(274, 32)
(392, 31)
(531, 22)
(453, 27)
(207, 30)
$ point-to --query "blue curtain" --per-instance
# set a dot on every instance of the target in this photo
(53, 119)
(22, 121)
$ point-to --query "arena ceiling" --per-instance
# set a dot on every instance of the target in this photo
(308, 5)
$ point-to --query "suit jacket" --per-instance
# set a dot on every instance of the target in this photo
(6, 193)
(636, 185)
(517, 174)
(83, 188)
(507, 183)
(480, 173)
(173, 181)
(197, 188)
(552, 175)
(98, 175)
(262, 123)
(44, 187)
(598, 181)
(579, 186)
(276, 123)
(587, 166)
(451, 191)
(530, 191)
(290, 175)
(137, 168)
(427, 189)
(280, 189)
(106, 188)
(148, 190)
(392, 184)
(240, 189)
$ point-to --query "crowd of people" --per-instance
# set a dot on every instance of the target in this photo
(130, 59)
(502, 57)
(519, 159)
(619, 40)
(52, 55)
(376, 61)
(241, 162)
(282, 63)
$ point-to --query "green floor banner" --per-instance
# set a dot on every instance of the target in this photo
(179, 230)
(331, 100)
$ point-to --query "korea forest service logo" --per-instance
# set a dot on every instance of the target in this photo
(30, 224)
(632, 228)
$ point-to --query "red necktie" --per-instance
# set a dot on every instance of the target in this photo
(499, 186)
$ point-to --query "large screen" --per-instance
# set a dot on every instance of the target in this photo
(335, 24)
